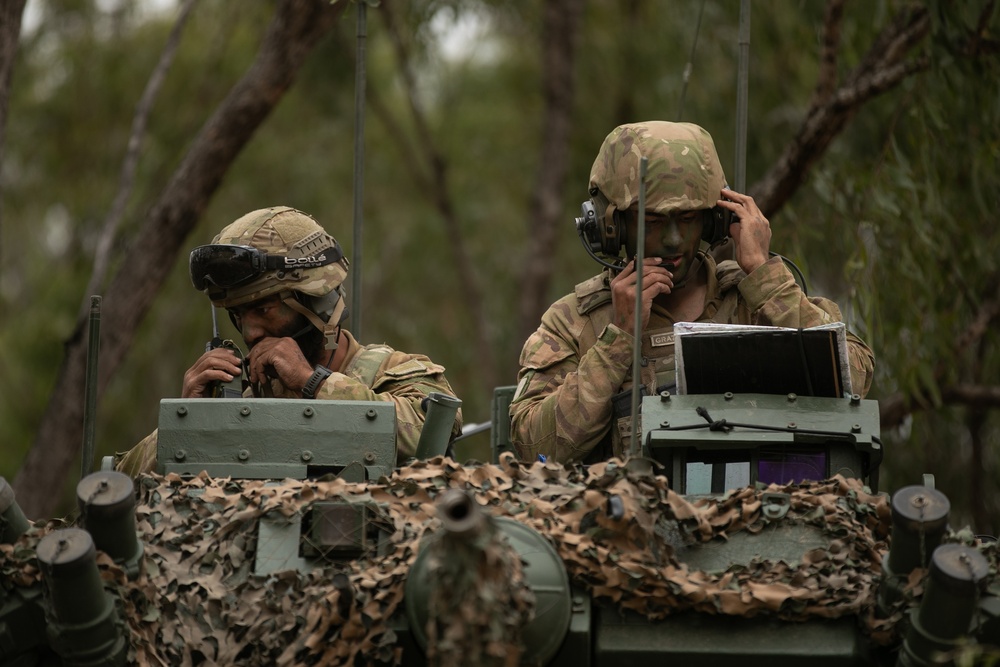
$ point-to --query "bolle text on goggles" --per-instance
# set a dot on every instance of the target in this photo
(224, 265)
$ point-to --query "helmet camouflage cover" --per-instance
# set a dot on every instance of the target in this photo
(285, 231)
(683, 172)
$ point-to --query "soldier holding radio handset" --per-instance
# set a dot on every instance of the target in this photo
(573, 399)
(279, 275)
(673, 256)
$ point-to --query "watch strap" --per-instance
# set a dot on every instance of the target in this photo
(320, 373)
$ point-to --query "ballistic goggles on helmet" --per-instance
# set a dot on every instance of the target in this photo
(225, 265)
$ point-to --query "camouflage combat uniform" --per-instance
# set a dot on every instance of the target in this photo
(577, 360)
(576, 369)
(369, 373)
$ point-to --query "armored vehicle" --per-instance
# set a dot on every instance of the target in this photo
(750, 530)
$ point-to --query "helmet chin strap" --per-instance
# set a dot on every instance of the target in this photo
(330, 328)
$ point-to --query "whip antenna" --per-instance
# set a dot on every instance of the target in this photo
(640, 251)
(359, 165)
(90, 388)
(742, 94)
(686, 76)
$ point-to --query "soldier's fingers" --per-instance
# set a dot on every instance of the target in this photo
(218, 358)
(256, 363)
(653, 277)
(625, 272)
(658, 272)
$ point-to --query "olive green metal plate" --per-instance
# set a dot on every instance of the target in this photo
(269, 438)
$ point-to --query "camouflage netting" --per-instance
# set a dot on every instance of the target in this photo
(197, 601)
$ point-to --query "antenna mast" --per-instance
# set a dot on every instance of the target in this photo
(742, 95)
(90, 388)
(635, 446)
(359, 165)
(686, 76)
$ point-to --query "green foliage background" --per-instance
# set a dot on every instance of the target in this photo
(896, 222)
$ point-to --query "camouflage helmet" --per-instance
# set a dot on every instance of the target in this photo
(297, 256)
(683, 172)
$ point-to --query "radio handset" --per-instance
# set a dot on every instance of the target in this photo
(233, 388)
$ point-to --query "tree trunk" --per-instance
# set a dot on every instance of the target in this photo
(294, 30)
(561, 25)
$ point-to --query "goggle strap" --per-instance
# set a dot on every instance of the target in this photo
(288, 298)
(331, 255)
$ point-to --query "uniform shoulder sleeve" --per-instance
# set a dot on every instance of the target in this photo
(401, 366)
(729, 274)
(592, 293)
(557, 337)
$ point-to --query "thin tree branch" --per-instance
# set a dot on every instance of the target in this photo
(989, 311)
(880, 70)
(894, 408)
(127, 176)
(440, 195)
(978, 41)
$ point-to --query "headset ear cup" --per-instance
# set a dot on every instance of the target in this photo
(614, 239)
(716, 225)
(588, 225)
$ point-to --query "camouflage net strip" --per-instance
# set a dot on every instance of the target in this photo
(197, 601)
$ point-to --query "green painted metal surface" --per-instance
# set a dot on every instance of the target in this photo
(676, 432)
(625, 639)
(269, 438)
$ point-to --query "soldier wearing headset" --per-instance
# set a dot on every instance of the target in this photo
(576, 367)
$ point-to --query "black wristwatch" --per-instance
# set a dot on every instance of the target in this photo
(320, 373)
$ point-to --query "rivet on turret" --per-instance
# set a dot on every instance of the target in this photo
(856, 428)
(371, 414)
(245, 410)
(180, 455)
(244, 454)
(308, 412)
(792, 398)
(182, 411)
(855, 399)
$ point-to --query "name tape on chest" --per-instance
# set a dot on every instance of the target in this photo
(661, 339)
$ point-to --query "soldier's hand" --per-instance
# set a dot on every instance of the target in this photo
(656, 280)
(279, 358)
(218, 365)
(750, 230)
